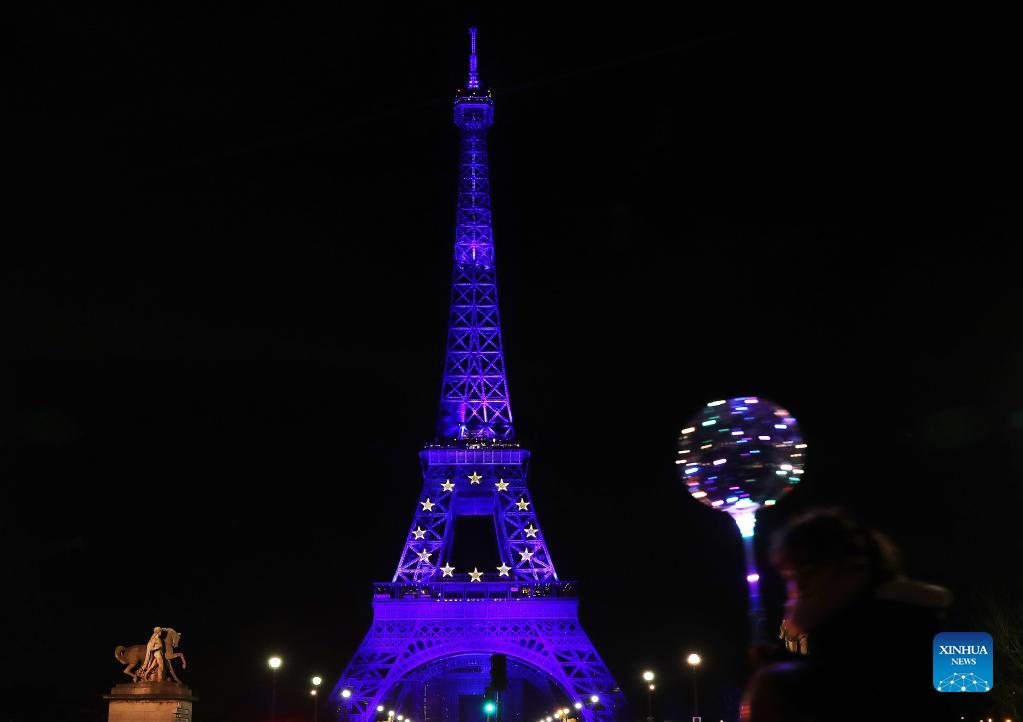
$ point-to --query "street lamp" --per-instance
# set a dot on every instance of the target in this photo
(648, 676)
(316, 708)
(693, 660)
(275, 663)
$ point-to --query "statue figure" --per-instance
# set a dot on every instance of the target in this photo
(149, 662)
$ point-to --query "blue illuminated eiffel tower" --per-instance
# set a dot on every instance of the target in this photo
(441, 612)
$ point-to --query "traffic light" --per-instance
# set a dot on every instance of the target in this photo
(498, 672)
(490, 703)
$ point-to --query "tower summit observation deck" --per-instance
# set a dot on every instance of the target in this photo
(441, 616)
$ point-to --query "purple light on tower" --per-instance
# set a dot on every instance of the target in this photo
(474, 393)
(445, 611)
(474, 76)
(737, 456)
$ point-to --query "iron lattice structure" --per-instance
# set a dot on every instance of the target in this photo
(434, 607)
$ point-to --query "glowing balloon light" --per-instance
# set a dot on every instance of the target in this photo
(742, 454)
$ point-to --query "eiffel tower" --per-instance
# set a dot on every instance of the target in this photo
(440, 617)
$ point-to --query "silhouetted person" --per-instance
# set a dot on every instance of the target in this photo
(857, 632)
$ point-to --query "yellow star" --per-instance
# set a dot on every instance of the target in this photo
(522, 504)
(526, 555)
(476, 574)
(504, 569)
(427, 505)
(530, 531)
(447, 485)
(447, 569)
(474, 478)
(419, 532)
(501, 485)
(424, 556)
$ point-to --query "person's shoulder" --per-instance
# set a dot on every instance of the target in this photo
(912, 593)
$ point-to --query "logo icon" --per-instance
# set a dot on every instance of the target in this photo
(963, 662)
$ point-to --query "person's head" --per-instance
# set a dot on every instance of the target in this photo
(156, 630)
(825, 546)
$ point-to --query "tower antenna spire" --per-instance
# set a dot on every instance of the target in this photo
(474, 76)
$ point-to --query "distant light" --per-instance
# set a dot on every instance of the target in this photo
(715, 403)
(595, 698)
(752, 578)
(764, 438)
(312, 692)
(390, 713)
(401, 717)
(346, 693)
(770, 502)
(693, 659)
(779, 426)
(651, 688)
(717, 502)
(689, 430)
(648, 676)
(719, 462)
(380, 708)
(709, 423)
(274, 662)
(751, 401)
(578, 705)
(317, 681)
(699, 494)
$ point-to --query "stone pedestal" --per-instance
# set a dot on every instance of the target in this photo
(150, 702)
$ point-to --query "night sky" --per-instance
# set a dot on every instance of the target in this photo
(224, 298)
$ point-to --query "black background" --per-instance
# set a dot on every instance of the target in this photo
(226, 290)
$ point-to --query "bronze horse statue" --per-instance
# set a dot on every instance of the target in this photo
(135, 654)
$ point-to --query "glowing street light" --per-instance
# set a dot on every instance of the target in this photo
(275, 664)
(346, 693)
(578, 705)
(380, 708)
(648, 676)
(693, 660)
(595, 698)
(317, 681)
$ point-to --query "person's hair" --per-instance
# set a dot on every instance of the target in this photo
(832, 538)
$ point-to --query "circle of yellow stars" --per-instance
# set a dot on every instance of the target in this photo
(475, 575)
